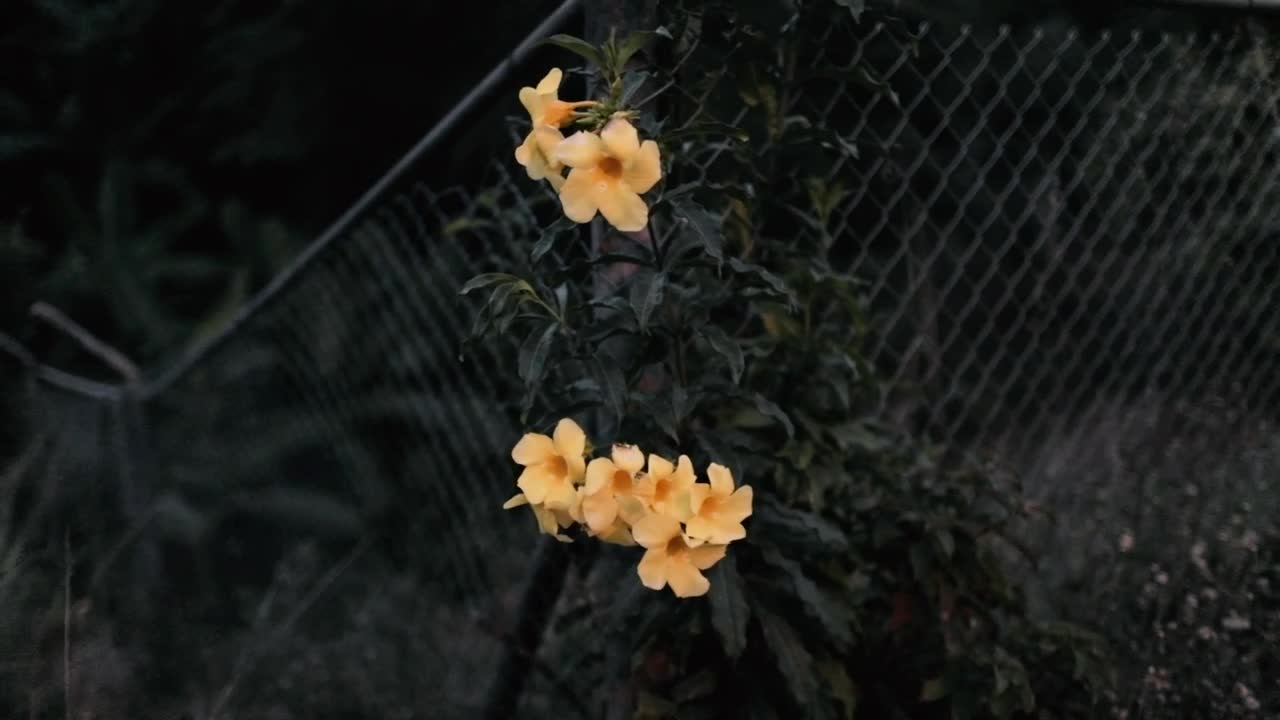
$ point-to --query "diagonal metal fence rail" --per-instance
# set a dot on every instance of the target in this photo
(1071, 246)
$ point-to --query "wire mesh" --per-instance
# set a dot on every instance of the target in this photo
(1049, 221)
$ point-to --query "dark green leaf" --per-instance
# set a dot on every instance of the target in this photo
(729, 610)
(577, 46)
(649, 298)
(768, 407)
(485, 280)
(634, 43)
(550, 236)
(706, 227)
(727, 347)
(794, 661)
(631, 84)
(533, 356)
(771, 281)
(934, 690)
(796, 527)
(832, 613)
(613, 385)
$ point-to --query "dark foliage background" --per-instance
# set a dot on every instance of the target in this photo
(162, 161)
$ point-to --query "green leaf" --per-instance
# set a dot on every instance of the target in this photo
(705, 226)
(485, 280)
(549, 238)
(831, 613)
(794, 661)
(631, 84)
(768, 407)
(727, 347)
(796, 527)
(613, 385)
(533, 356)
(577, 46)
(771, 281)
(634, 43)
(648, 299)
(729, 610)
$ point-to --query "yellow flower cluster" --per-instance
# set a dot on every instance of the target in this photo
(684, 525)
(608, 170)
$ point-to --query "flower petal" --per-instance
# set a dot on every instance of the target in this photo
(535, 482)
(618, 534)
(653, 569)
(655, 531)
(624, 209)
(600, 510)
(560, 496)
(577, 196)
(533, 449)
(631, 510)
(569, 438)
(599, 475)
(556, 180)
(547, 140)
(685, 580)
(525, 150)
(738, 506)
(698, 493)
(684, 476)
(715, 530)
(707, 555)
(577, 468)
(628, 458)
(721, 479)
(516, 501)
(645, 169)
(660, 467)
(580, 150)
(550, 83)
(531, 101)
(546, 520)
(621, 139)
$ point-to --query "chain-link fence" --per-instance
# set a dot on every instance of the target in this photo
(1064, 234)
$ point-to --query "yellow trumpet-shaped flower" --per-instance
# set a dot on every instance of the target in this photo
(668, 486)
(553, 466)
(537, 155)
(670, 560)
(610, 480)
(608, 173)
(550, 522)
(544, 104)
(717, 509)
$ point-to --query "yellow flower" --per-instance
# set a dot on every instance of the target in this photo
(668, 486)
(544, 104)
(717, 509)
(609, 172)
(552, 466)
(549, 521)
(537, 155)
(608, 481)
(670, 560)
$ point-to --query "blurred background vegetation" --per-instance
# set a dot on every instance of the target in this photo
(161, 161)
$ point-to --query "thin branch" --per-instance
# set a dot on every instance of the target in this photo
(114, 359)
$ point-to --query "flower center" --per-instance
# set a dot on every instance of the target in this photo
(709, 506)
(676, 546)
(661, 489)
(612, 167)
(622, 481)
(558, 466)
